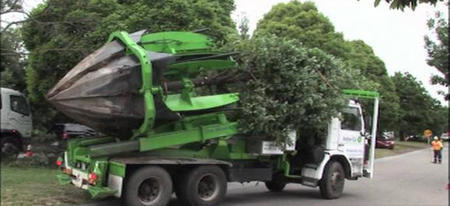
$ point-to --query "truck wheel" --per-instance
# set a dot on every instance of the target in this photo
(9, 147)
(332, 183)
(277, 183)
(203, 186)
(148, 186)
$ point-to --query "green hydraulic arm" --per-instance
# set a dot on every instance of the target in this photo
(147, 89)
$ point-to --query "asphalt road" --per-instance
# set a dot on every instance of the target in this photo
(404, 180)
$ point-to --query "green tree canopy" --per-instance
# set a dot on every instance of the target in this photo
(290, 86)
(362, 58)
(62, 32)
(418, 110)
(303, 22)
(401, 4)
(12, 62)
(438, 52)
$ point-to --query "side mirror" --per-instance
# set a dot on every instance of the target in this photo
(365, 134)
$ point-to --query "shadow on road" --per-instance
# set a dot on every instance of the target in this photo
(242, 198)
(266, 197)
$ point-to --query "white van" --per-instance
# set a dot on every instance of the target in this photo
(16, 123)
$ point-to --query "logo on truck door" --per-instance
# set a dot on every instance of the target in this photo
(352, 139)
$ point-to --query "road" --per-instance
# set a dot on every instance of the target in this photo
(408, 179)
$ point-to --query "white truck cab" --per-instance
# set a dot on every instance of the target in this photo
(348, 145)
(16, 122)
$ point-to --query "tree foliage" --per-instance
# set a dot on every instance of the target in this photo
(438, 52)
(62, 32)
(401, 4)
(303, 22)
(418, 110)
(8, 6)
(290, 86)
(362, 58)
(12, 63)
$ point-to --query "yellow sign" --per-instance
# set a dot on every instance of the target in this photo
(427, 133)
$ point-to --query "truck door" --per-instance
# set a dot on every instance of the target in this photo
(351, 141)
(19, 115)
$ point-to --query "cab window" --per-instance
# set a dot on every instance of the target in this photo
(351, 119)
(19, 105)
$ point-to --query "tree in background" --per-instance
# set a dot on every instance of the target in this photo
(401, 4)
(12, 58)
(12, 62)
(362, 58)
(7, 7)
(303, 22)
(418, 110)
(60, 33)
(438, 51)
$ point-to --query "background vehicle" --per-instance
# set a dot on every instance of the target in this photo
(65, 131)
(184, 142)
(417, 138)
(16, 122)
(385, 141)
(444, 136)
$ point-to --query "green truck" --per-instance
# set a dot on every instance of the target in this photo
(164, 137)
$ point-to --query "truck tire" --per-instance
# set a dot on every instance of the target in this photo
(9, 147)
(332, 183)
(277, 183)
(148, 186)
(203, 186)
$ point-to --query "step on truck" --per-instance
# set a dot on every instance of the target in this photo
(164, 138)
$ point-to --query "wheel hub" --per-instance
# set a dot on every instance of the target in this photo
(337, 181)
(208, 187)
(149, 191)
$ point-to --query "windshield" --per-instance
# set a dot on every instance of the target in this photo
(384, 137)
(19, 104)
(351, 119)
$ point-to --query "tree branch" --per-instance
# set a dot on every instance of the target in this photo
(11, 8)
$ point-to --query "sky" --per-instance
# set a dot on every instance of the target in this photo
(396, 37)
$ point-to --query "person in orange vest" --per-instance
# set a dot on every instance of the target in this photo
(437, 147)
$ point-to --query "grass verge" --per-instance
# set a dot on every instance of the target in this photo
(36, 186)
(400, 147)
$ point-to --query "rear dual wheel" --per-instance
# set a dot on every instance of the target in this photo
(148, 186)
(202, 186)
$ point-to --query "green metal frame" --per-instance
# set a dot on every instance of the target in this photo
(361, 93)
(147, 89)
(181, 43)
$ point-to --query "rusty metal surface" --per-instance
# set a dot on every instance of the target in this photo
(102, 92)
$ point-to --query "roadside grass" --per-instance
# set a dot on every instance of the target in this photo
(22, 186)
(400, 147)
